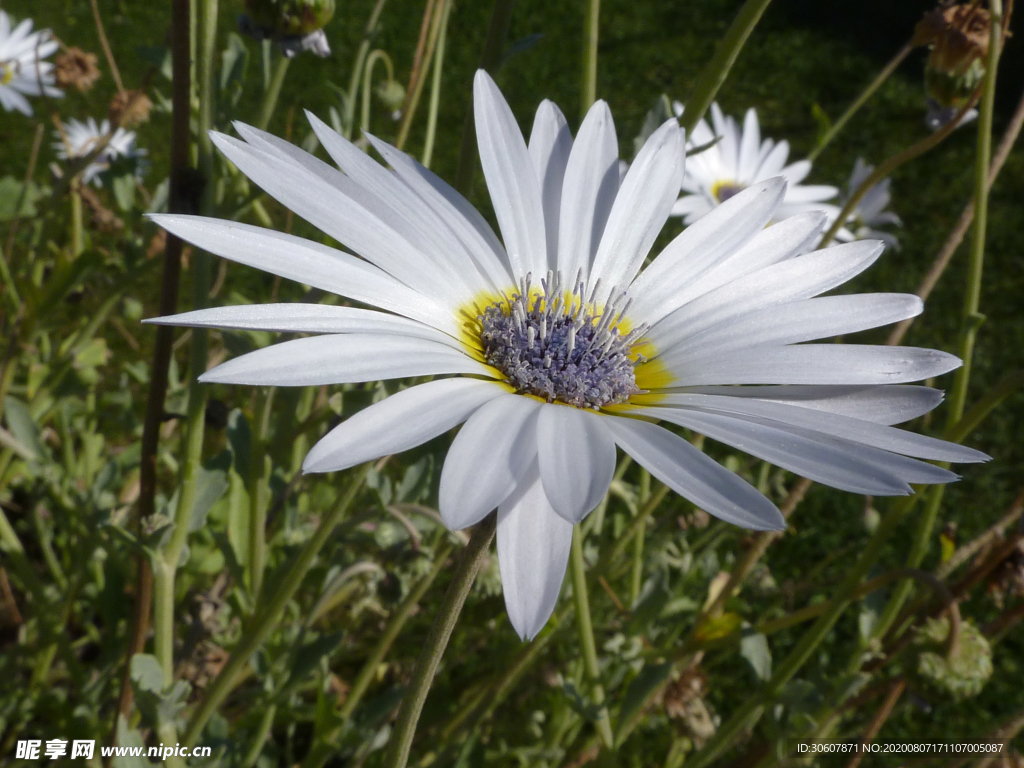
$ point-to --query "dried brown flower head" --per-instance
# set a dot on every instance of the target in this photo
(129, 108)
(958, 36)
(76, 68)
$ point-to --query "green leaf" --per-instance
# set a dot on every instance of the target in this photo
(129, 737)
(307, 658)
(240, 440)
(639, 691)
(24, 429)
(123, 186)
(210, 486)
(18, 200)
(754, 648)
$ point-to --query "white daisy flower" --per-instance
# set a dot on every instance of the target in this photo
(79, 139)
(557, 347)
(870, 213)
(22, 69)
(735, 160)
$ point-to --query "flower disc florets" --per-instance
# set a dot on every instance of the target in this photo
(561, 346)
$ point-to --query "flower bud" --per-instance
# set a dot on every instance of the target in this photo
(288, 18)
(391, 93)
(961, 674)
(958, 37)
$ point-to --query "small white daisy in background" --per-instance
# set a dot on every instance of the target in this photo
(558, 349)
(22, 69)
(870, 212)
(77, 139)
(735, 160)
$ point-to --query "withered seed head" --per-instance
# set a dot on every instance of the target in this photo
(129, 108)
(76, 68)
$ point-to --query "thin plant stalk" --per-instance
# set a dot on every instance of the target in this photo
(105, 45)
(861, 100)
(753, 707)
(371, 62)
(77, 233)
(956, 236)
(436, 641)
(588, 74)
(436, 8)
(891, 164)
(435, 88)
(259, 491)
(322, 751)
(273, 92)
(178, 201)
(581, 600)
(726, 53)
(348, 123)
(972, 319)
(269, 612)
(490, 60)
(260, 737)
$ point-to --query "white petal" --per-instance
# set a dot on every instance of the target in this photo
(886, 404)
(576, 454)
(448, 251)
(701, 246)
(307, 262)
(511, 180)
(349, 214)
(750, 147)
(455, 210)
(641, 208)
(306, 318)
(799, 321)
(695, 476)
(797, 172)
(550, 145)
(588, 193)
(833, 425)
(400, 422)
(818, 364)
(787, 281)
(488, 458)
(813, 459)
(343, 359)
(533, 551)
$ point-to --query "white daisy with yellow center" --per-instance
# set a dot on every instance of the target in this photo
(734, 160)
(77, 139)
(23, 71)
(557, 348)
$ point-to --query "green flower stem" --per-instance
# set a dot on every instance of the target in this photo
(956, 235)
(206, 40)
(259, 491)
(588, 74)
(436, 641)
(260, 736)
(166, 561)
(371, 61)
(418, 79)
(77, 234)
(636, 581)
(577, 570)
(272, 93)
(268, 613)
(325, 748)
(861, 100)
(348, 123)
(750, 712)
(435, 88)
(169, 284)
(490, 60)
(725, 56)
(972, 319)
(890, 165)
